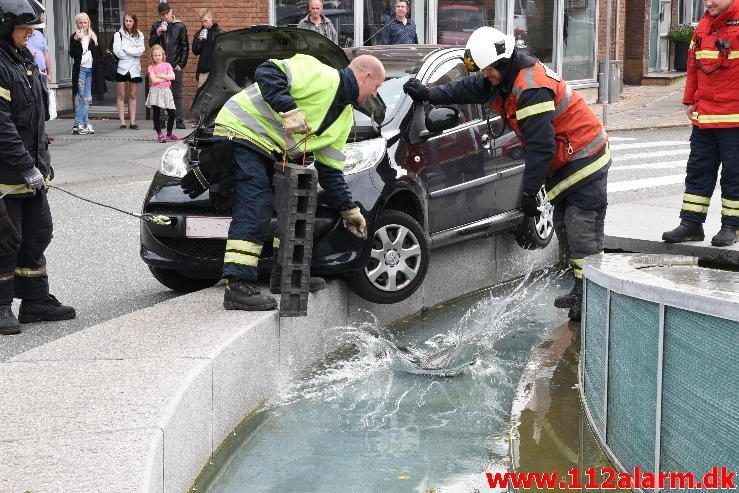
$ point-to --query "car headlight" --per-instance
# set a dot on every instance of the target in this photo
(363, 155)
(175, 160)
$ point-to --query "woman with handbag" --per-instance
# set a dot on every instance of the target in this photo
(128, 46)
(87, 73)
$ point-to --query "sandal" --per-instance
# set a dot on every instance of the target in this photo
(133, 126)
(122, 126)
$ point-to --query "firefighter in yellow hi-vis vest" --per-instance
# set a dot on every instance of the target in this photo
(294, 101)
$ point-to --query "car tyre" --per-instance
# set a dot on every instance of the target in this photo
(398, 261)
(537, 232)
(179, 282)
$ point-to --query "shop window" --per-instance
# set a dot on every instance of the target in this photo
(578, 40)
(534, 26)
(459, 18)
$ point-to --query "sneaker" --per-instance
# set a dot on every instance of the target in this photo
(76, 130)
(173, 137)
(180, 124)
(48, 309)
(9, 325)
(241, 295)
(161, 138)
(82, 130)
(90, 130)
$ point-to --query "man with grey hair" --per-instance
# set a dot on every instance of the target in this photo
(316, 21)
(312, 112)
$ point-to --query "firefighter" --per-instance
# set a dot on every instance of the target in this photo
(566, 146)
(301, 105)
(24, 168)
(712, 105)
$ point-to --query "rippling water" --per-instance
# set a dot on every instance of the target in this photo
(367, 419)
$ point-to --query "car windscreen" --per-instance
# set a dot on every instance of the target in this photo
(397, 72)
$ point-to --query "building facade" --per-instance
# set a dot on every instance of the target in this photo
(567, 35)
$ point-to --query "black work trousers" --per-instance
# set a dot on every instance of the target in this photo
(23, 275)
(711, 149)
(579, 220)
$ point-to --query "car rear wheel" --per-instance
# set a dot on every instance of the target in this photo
(180, 282)
(399, 260)
(537, 232)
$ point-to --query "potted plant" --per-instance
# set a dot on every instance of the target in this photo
(682, 36)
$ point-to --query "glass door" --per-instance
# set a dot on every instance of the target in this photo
(377, 14)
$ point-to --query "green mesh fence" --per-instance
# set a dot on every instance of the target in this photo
(594, 377)
(700, 397)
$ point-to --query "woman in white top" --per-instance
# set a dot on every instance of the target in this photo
(128, 46)
(87, 75)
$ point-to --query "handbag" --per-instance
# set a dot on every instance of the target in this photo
(110, 63)
(52, 104)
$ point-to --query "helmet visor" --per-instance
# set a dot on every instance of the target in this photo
(28, 13)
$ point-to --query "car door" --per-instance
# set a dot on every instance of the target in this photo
(456, 168)
(506, 160)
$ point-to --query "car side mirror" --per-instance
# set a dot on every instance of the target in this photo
(442, 118)
(496, 124)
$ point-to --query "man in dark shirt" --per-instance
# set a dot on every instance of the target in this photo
(171, 34)
(400, 30)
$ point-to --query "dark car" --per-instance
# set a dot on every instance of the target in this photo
(423, 177)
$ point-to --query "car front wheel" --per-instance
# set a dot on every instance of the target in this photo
(536, 232)
(179, 282)
(398, 263)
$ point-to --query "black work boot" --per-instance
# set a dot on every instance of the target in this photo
(575, 313)
(571, 299)
(315, 283)
(9, 325)
(725, 237)
(687, 231)
(242, 295)
(48, 309)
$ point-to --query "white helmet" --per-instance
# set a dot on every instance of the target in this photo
(486, 47)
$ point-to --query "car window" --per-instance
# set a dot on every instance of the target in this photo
(452, 71)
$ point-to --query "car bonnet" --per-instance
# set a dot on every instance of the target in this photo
(237, 54)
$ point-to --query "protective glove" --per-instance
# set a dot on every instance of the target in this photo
(416, 90)
(355, 223)
(10, 240)
(294, 122)
(34, 179)
(214, 173)
(529, 205)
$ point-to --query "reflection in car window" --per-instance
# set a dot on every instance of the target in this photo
(451, 71)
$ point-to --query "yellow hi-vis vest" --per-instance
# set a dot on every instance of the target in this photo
(313, 86)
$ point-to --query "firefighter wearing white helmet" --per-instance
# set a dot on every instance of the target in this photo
(566, 146)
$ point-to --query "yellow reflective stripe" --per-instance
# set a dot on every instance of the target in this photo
(725, 211)
(239, 258)
(733, 55)
(276, 242)
(534, 109)
(28, 272)
(706, 55)
(696, 199)
(580, 175)
(244, 246)
(15, 189)
(733, 204)
(5, 94)
(718, 118)
(700, 209)
(7, 277)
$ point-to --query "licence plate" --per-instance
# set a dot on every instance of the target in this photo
(207, 227)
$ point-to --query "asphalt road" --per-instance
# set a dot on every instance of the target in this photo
(93, 261)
